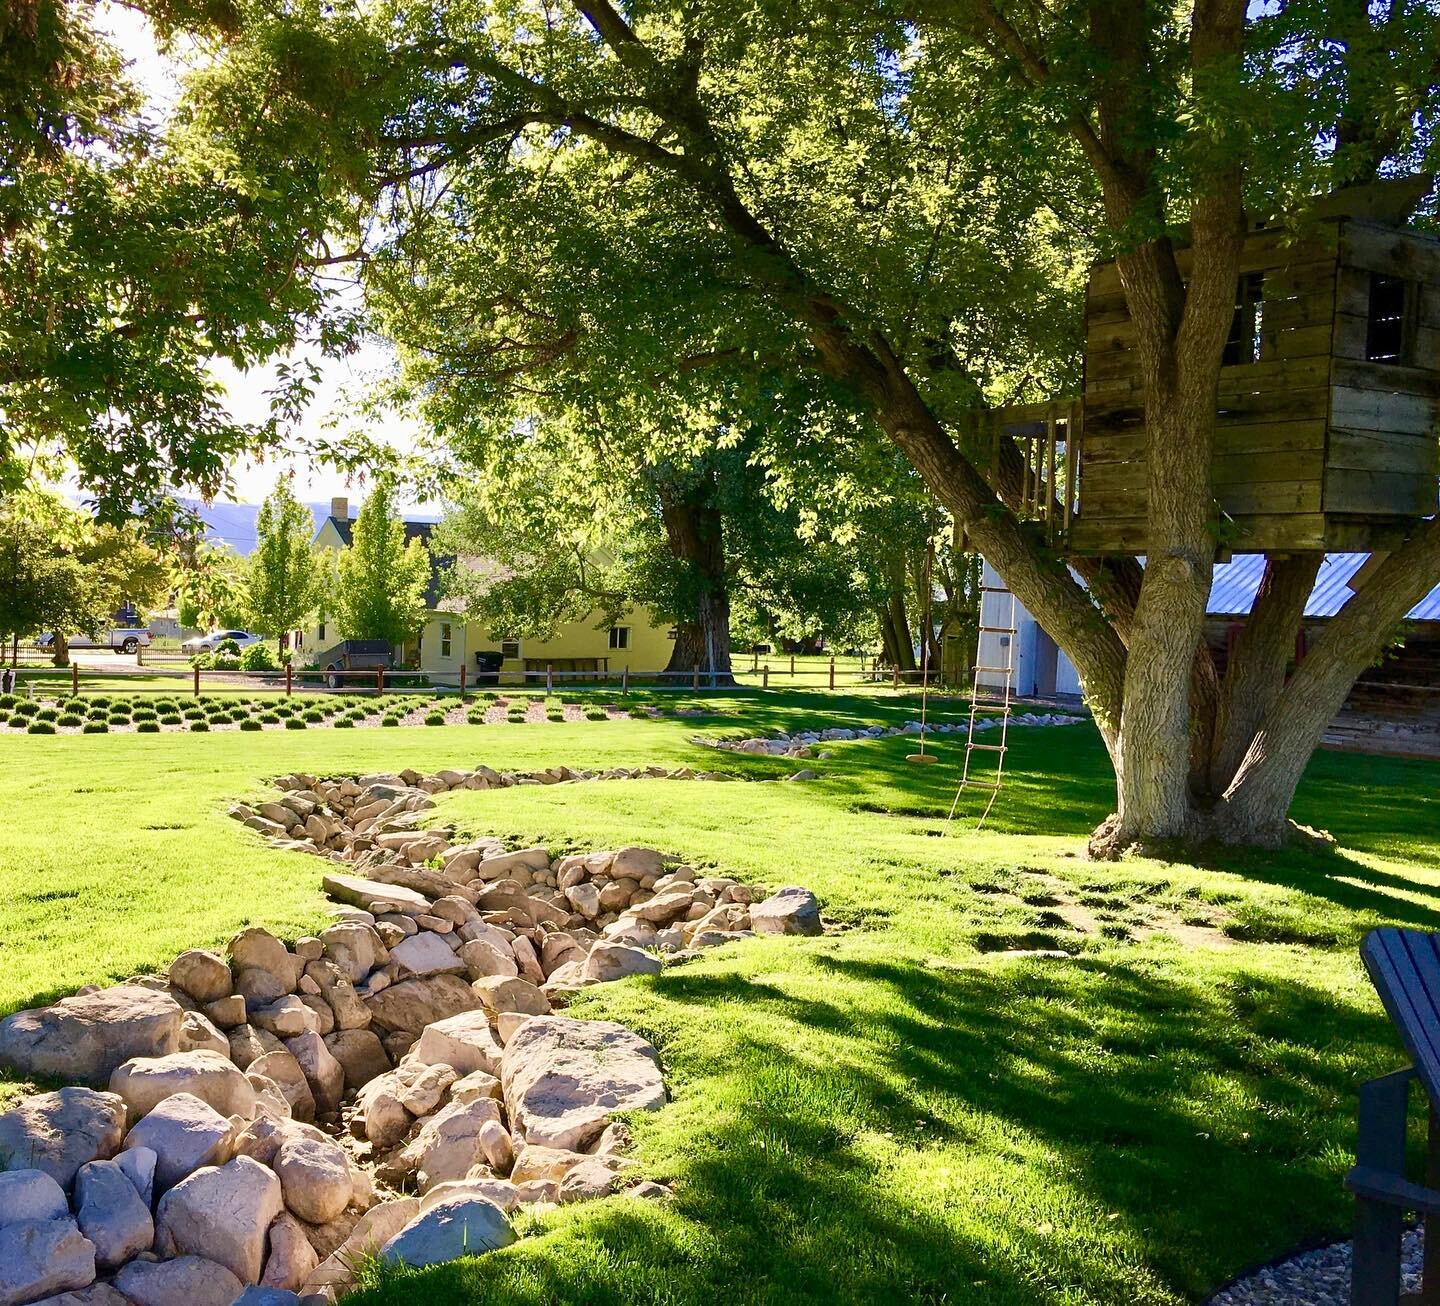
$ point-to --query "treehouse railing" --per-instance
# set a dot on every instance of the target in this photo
(1048, 438)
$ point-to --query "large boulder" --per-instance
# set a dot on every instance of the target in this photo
(465, 1041)
(198, 1033)
(371, 895)
(87, 1036)
(145, 1082)
(30, 1195)
(500, 993)
(59, 1132)
(565, 1078)
(414, 1003)
(223, 1211)
(461, 1226)
(185, 1281)
(97, 1294)
(185, 1134)
(314, 1176)
(791, 910)
(257, 949)
(201, 975)
(112, 1213)
(354, 948)
(613, 961)
(39, 1258)
(449, 1142)
(361, 1056)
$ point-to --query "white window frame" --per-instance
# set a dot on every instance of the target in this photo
(619, 638)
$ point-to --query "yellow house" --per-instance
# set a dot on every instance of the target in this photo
(637, 643)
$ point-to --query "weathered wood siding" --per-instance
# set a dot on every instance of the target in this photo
(1311, 440)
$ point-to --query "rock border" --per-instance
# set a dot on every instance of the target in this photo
(804, 742)
(398, 1086)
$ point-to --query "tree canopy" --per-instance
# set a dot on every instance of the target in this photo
(283, 578)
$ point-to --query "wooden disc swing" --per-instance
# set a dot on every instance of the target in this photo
(922, 757)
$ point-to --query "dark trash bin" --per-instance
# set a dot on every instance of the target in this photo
(487, 667)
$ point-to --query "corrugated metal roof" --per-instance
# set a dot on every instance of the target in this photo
(1236, 582)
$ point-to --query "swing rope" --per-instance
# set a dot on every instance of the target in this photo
(927, 636)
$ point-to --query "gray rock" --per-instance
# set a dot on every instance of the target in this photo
(465, 1042)
(564, 1079)
(324, 1075)
(97, 1294)
(39, 1258)
(289, 1259)
(224, 1211)
(202, 975)
(145, 1082)
(112, 1213)
(315, 1177)
(613, 961)
(59, 1132)
(185, 1281)
(137, 1164)
(87, 1036)
(791, 910)
(30, 1195)
(461, 1226)
(184, 1133)
(255, 1295)
(426, 953)
(360, 1054)
(414, 1003)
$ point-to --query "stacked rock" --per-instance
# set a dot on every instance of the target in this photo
(803, 742)
(243, 1107)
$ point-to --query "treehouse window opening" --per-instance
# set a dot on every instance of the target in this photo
(619, 636)
(1386, 336)
(1243, 344)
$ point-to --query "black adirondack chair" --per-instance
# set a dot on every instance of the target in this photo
(1404, 966)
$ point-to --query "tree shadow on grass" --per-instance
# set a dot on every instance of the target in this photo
(1078, 1131)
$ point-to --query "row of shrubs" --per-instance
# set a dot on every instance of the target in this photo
(98, 713)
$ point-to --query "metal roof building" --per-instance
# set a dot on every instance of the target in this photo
(1236, 582)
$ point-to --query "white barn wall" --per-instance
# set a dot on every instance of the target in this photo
(1030, 645)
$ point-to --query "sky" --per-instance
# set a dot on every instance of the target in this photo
(158, 75)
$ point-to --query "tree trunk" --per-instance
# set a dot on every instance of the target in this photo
(1255, 807)
(695, 529)
(900, 636)
(61, 655)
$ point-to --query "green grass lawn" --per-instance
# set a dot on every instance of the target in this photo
(897, 1111)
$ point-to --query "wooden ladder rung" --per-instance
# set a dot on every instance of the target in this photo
(979, 784)
(994, 670)
(998, 630)
(994, 589)
(989, 748)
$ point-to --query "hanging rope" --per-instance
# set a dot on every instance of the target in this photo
(927, 638)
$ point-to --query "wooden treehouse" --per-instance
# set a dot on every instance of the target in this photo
(1328, 434)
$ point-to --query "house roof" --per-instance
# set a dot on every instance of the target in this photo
(1237, 581)
(414, 530)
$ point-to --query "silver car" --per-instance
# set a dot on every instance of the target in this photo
(207, 643)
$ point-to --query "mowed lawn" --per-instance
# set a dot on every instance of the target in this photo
(897, 1111)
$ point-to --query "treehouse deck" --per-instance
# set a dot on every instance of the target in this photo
(1329, 402)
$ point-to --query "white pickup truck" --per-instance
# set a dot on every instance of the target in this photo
(119, 639)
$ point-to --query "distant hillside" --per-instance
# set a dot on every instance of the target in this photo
(234, 523)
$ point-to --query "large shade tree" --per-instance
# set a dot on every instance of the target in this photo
(283, 578)
(876, 206)
(135, 252)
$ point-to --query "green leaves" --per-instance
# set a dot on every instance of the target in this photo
(380, 580)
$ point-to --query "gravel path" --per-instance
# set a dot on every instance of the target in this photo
(1318, 1278)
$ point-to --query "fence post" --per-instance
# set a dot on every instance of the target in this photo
(765, 677)
(695, 679)
(549, 677)
(832, 671)
(897, 675)
(197, 682)
(754, 660)
(462, 682)
(139, 655)
(289, 678)
(792, 664)
(75, 679)
(379, 680)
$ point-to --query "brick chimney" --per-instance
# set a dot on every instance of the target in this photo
(340, 508)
